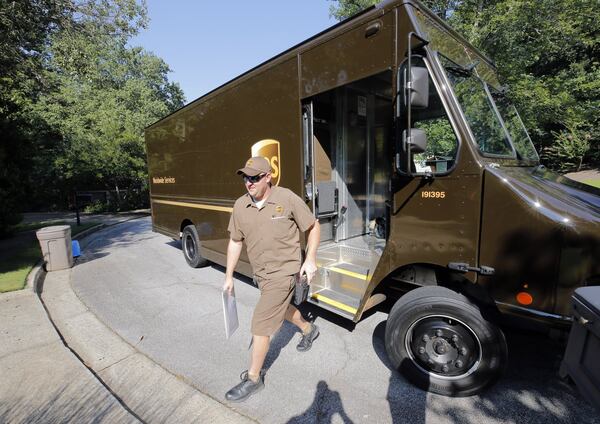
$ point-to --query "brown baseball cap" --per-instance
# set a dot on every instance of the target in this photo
(255, 166)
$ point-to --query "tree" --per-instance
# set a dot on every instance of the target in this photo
(82, 108)
(346, 8)
(25, 28)
(547, 52)
(106, 94)
(74, 100)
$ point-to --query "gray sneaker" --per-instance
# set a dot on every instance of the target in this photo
(307, 339)
(245, 388)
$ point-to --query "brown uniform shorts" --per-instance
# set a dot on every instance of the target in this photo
(275, 297)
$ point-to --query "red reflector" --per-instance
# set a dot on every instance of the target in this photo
(524, 298)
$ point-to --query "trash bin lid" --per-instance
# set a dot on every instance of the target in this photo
(56, 231)
(590, 296)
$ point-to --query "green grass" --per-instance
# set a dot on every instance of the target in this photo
(37, 225)
(14, 269)
(595, 182)
(15, 266)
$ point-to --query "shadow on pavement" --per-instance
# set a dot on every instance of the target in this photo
(279, 341)
(406, 402)
(530, 388)
(311, 312)
(98, 245)
(66, 404)
(88, 257)
(174, 243)
(325, 406)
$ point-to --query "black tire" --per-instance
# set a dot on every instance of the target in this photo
(439, 341)
(190, 245)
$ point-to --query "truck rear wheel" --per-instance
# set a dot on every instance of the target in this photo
(190, 245)
(440, 342)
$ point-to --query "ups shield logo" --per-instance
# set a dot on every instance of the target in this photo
(269, 149)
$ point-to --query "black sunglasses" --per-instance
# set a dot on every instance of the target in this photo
(253, 179)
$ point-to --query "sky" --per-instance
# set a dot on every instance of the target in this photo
(207, 43)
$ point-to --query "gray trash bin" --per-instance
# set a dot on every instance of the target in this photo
(56, 246)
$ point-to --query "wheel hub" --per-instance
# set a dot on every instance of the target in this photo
(443, 346)
(190, 249)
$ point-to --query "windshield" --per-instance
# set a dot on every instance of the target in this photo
(495, 123)
(512, 121)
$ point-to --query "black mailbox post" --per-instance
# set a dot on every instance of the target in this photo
(81, 201)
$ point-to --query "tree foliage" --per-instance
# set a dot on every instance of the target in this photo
(74, 99)
(106, 94)
(347, 8)
(548, 53)
(25, 28)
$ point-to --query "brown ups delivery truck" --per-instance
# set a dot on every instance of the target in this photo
(397, 133)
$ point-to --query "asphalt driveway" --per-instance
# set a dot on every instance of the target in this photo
(138, 284)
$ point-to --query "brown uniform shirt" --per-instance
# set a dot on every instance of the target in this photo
(272, 233)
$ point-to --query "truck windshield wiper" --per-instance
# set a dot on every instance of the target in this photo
(459, 71)
(463, 71)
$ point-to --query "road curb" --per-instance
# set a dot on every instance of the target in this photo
(35, 276)
(134, 379)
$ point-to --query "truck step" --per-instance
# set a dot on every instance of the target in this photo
(348, 279)
(344, 274)
(335, 302)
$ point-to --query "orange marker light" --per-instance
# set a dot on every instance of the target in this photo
(524, 298)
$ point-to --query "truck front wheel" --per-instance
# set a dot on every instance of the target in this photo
(190, 244)
(440, 342)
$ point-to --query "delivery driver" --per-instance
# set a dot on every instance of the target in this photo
(269, 220)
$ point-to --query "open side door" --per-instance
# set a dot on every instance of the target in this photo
(347, 165)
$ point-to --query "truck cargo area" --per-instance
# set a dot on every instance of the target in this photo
(347, 136)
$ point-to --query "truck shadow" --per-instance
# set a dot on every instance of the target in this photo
(406, 402)
(530, 390)
(312, 312)
(531, 386)
(174, 243)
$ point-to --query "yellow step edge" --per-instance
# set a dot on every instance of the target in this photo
(335, 303)
(194, 205)
(348, 273)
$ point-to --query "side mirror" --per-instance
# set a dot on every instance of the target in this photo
(419, 87)
(416, 143)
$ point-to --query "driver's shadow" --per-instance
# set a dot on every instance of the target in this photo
(281, 339)
(326, 404)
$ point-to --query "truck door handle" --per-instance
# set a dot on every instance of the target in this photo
(464, 267)
(308, 191)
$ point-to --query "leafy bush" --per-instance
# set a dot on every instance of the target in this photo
(566, 154)
(96, 207)
(126, 200)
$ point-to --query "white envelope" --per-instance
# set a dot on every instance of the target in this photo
(230, 313)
